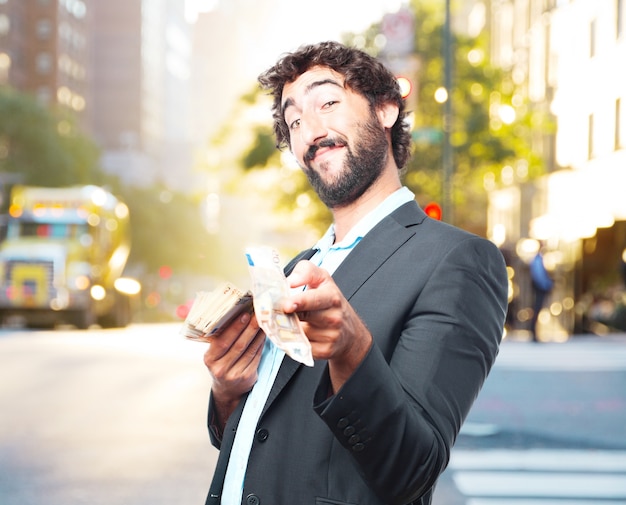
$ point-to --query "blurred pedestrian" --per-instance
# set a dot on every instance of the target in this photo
(542, 285)
(623, 266)
(404, 313)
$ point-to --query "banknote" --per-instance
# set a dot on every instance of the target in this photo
(212, 311)
(270, 289)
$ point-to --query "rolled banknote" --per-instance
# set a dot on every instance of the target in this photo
(270, 289)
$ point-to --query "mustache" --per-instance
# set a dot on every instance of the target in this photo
(310, 154)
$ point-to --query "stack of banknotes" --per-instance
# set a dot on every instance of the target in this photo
(212, 311)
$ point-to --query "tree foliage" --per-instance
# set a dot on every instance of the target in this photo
(483, 144)
(42, 146)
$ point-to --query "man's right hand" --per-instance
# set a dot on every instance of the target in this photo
(233, 360)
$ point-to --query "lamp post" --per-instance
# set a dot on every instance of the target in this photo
(447, 120)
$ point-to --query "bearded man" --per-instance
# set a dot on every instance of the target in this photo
(404, 313)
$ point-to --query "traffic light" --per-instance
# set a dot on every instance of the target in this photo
(165, 272)
(433, 210)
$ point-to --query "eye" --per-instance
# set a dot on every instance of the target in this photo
(329, 104)
(294, 124)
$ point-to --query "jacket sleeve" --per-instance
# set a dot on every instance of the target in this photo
(400, 414)
(215, 433)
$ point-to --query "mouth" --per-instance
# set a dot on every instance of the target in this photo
(322, 148)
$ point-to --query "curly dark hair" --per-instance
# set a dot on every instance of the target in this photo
(363, 74)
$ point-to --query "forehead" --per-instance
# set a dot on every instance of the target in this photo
(308, 81)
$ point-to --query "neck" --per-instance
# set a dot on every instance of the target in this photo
(345, 217)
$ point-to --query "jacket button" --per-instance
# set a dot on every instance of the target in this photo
(350, 430)
(354, 439)
(343, 422)
(358, 447)
(262, 435)
(252, 499)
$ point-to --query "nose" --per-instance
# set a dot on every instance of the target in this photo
(312, 129)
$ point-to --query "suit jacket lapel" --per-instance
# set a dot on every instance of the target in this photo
(307, 254)
(377, 247)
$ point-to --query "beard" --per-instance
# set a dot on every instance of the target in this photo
(362, 167)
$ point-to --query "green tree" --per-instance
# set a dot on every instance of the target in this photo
(44, 146)
(483, 143)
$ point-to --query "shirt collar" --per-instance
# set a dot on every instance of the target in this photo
(367, 222)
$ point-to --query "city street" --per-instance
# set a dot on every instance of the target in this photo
(118, 417)
(547, 429)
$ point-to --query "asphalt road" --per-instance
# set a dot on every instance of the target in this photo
(548, 428)
(117, 417)
(103, 417)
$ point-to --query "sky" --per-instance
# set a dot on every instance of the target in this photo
(268, 28)
(295, 22)
(337, 13)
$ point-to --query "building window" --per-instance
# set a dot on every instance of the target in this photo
(43, 63)
(77, 8)
(590, 146)
(44, 29)
(5, 24)
(592, 39)
(618, 124)
(5, 66)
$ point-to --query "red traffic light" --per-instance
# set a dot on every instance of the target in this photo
(433, 210)
(165, 272)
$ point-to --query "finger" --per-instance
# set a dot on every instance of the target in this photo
(244, 355)
(305, 273)
(239, 333)
(252, 357)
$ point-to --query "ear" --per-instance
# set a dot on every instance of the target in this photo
(388, 114)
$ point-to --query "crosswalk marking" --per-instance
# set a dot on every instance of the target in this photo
(512, 484)
(552, 501)
(540, 476)
(540, 460)
(587, 356)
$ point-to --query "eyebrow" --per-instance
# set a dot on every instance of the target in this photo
(290, 101)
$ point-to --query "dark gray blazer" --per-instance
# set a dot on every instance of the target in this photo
(434, 298)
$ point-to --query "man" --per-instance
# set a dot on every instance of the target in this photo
(404, 314)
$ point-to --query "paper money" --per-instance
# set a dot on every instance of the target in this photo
(213, 310)
(270, 289)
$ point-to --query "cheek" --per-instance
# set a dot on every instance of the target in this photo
(298, 149)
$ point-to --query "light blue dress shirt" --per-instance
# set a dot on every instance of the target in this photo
(328, 257)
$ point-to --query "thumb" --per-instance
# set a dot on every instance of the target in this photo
(308, 274)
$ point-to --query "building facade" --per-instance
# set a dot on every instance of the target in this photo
(141, 79)
(123, 68)
(566, 56)
(45, 49)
